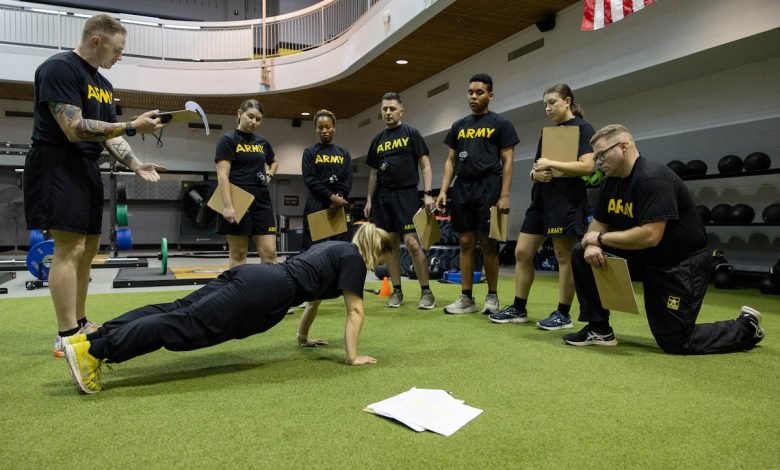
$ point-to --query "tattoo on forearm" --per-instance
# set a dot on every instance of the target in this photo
(122, 153)
(89, 130)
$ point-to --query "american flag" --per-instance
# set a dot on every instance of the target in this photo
(599, 13)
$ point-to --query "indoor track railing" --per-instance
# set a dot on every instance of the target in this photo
(56, 27)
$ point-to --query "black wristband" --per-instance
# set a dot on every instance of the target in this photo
(428, 192)
(598, 239)
(129, 130)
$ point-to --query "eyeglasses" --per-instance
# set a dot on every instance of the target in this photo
(599, 156)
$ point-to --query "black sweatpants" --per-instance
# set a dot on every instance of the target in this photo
(243, 301)
(673, 298)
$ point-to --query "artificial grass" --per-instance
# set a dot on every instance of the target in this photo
(264, 403)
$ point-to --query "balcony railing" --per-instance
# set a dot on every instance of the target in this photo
(60, 28)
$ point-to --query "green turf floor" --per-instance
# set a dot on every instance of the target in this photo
(264, 403)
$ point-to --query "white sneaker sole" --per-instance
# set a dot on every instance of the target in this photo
(612, 342)
(553, 328)
(449, 311)
(510, 320)
(426, 307)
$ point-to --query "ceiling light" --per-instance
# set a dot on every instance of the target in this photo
(51, 12)
(176, 26)
(401, 61)
(305, 114)
(143, 23)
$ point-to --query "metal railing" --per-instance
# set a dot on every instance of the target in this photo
(60, 28)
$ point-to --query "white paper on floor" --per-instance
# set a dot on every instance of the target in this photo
(426, 409)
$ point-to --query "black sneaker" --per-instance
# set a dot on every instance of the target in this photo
(587, 337)
(753, 318)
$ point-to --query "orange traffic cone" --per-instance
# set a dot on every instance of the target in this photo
(385, 290)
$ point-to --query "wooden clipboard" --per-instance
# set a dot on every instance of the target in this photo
(561, 143)
(241, 201)
(498, 224)
(326, 223)
(614, 284)
(427, 227)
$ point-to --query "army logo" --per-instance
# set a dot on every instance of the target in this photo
(463, 155)
(673, 303)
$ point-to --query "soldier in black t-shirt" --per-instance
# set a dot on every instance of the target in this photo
(394, 156)
(74, 120)
(327, 172)
(557, 211)
(481, 148)
(646, 214)
(243, 301)
(241, 158)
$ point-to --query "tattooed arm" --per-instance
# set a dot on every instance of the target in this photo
(121, 151)
(79, 129)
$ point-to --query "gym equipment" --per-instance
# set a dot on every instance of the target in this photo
(729, 164)
(124, 240)
(770, 285)
(39, 259)
(121, 215)
(678, 167)
(194, 204)
(381, 271)
(725, 277)
(742, 214)
(771, 214)
(152, 277)
(385, 290)
(721, 213)
(757, 161)
(454, 277)
(434, 269)
(121, 192)
(506, 257)
(36, 236)
(695, 168)
(704, 214)
(164, 253)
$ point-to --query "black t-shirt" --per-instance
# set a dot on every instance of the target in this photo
(67, 78)
(326, 270)
(477, 141)
(652, 193)
(573, 186)
(248, 154)
(327, 170)
(395, 153)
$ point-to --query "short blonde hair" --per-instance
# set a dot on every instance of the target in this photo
(610, 131)
(102, 23)
(372, 242)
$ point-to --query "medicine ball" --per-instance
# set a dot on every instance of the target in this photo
(771, 214)
(704, 214)
(757, 161)
(721, 214)
(381, 271)
(730, 164)
(742, 214)
(725, 277)
(769, 286)
(677, 166)
(695, 168)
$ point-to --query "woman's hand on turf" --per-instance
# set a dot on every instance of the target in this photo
(312, 343)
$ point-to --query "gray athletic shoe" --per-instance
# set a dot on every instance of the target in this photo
(753, 317)
(491, 304)
(427, 301)
(396, 299)
(463, 304)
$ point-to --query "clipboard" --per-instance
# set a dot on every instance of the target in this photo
(561, 143)
(324, 223)
(614, 285)
(241, 201)
(427, 227)
(498, 224)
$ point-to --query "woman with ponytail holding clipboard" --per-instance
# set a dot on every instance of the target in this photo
(241, 158)
(557, 210)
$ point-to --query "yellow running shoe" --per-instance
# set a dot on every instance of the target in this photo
(77, 338)
(83, 367)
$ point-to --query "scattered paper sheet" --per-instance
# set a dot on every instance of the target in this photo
(426, 409)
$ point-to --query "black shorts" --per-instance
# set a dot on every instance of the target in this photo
(557, 209)
(258, 220)
(471, 203)
(62, 190)
(393, 209)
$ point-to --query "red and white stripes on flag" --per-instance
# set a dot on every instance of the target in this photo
(599, 13)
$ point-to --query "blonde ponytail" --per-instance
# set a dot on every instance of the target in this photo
(372, 242)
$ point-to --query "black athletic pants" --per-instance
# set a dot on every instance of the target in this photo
(673, 298)
(241, 302)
